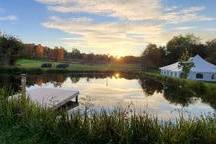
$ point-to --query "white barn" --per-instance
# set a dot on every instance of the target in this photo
(202, 70)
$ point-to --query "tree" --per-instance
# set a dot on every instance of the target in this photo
(39, 51)
(58, 53)
(76, 54)
(177, 45)
(10, 49)
(211, 51)
(152, 57)
(186, 63)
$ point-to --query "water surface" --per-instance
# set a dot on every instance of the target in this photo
(110, 91)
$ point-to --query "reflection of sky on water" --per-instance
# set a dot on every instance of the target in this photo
(110, 93)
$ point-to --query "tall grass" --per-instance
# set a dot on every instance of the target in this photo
(22, 122)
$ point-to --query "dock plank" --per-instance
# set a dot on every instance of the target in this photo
(51, 97)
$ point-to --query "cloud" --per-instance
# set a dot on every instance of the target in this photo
(184, 28)
(136, 23)
(125, 9)
(134, 10)
(105, 35)
(8, 18)
(191, 14)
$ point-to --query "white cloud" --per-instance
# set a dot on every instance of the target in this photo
(105, 35)
(129, 9)
(126, 9)
(8, 18)
(184, 28)
(139, 22)
(190, 14)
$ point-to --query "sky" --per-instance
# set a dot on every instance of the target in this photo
(114, 27)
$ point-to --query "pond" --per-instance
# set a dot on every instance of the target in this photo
(111, 91)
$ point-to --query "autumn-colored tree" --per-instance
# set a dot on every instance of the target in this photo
(39, 51)
(58, 53)
(28, 51)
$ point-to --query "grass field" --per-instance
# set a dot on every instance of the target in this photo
(29, 64)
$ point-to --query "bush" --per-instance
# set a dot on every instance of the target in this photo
(62, 66)
(46, 65)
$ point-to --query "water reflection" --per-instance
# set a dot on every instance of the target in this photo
(10, 81)
(150, 86)
(120, 90)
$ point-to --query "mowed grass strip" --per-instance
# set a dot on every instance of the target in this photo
(27, 63)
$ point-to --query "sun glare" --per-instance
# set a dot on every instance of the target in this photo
(117, 75)
(118, 57)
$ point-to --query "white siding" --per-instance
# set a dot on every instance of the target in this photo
(206, 76)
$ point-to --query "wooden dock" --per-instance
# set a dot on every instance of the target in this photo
(51, 97)
(47, 97)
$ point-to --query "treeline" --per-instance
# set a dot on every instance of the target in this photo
(11, 48)
(60, 54)
(155, 56)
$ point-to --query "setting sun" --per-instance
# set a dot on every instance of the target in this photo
(117, 75)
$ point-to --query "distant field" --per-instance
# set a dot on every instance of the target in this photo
(27, 63)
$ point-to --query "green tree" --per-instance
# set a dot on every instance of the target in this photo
(177, 45)
(76, 54)
(152, 57)
(186, 63)
(211, 51)
(10, 49)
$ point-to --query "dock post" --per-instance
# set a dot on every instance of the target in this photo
(23, 83)
(77, 99)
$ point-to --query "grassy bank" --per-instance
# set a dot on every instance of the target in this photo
(36, 64)
(23, 123)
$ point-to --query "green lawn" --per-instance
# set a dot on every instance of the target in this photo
(27, 63)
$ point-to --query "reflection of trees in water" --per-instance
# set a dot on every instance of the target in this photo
(56, 79)
(150, 86)
(75, 79)
(10, 81)
(178, 94)
(173, 91)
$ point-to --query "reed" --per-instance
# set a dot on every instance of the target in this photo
(22, 122)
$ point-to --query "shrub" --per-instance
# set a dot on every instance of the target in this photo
(46, 65)
(62, 66)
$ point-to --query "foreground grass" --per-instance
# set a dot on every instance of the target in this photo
(36, 64)
(23, 123)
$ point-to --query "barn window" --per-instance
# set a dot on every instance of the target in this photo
(213, 76)
(199, 76)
